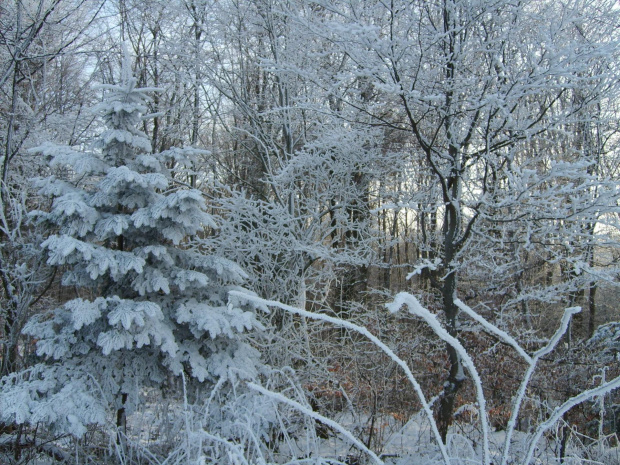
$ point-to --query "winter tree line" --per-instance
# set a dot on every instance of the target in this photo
(309, 232)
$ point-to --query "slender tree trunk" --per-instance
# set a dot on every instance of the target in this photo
(456, 375)
(121, 421)
(9, 151)
(451, 228)
(592, 308)
(10, 350)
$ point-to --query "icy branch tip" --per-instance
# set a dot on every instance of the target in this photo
(424, 264)
(404, 298)
(238, 297)
(570, 311)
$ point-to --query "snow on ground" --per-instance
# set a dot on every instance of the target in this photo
(413, 444)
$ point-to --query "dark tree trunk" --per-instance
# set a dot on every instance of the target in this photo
(121, 421)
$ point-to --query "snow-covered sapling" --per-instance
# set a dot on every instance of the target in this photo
(148, 303)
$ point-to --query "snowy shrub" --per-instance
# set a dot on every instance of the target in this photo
(606, 339)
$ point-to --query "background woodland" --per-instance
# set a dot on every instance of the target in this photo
(208, 205)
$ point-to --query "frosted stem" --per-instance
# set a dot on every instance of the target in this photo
(308, 412)
(565, 407)
(415, 308)
(363, 331)
(491, 328)
(532, 362)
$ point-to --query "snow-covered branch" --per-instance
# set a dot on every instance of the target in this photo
(363, 331)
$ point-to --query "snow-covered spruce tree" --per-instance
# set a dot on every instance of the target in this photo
(148, 304)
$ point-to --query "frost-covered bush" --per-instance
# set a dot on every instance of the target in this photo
(606, 339)
(148, 304)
